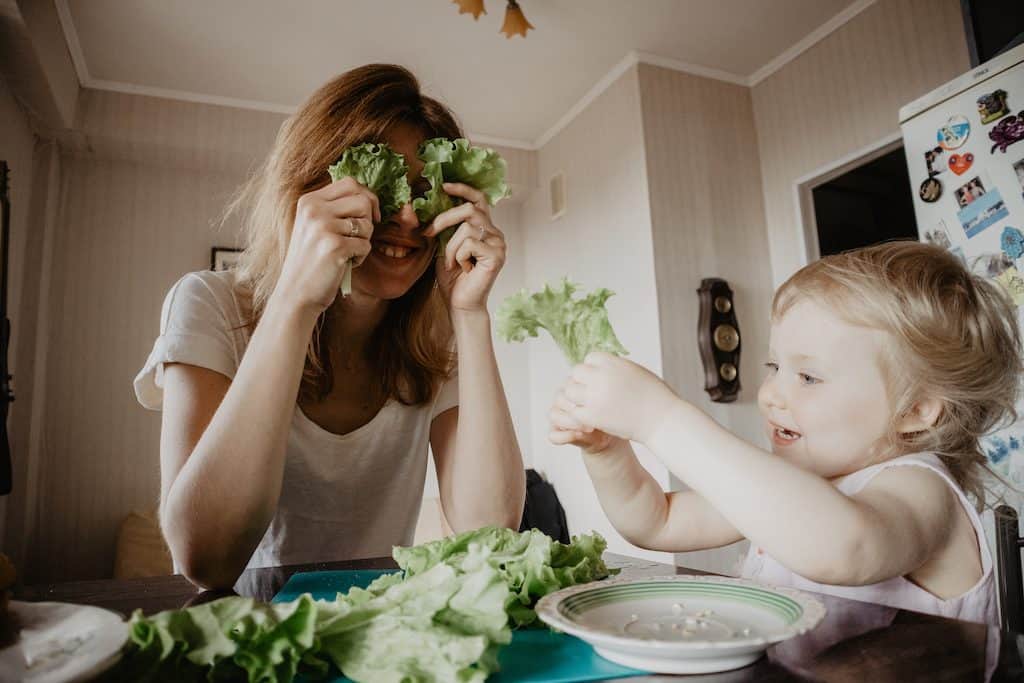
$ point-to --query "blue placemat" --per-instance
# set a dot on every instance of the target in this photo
(533, 655)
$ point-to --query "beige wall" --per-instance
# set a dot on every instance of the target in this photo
(603, 240)
(843, 95)
(707, 220)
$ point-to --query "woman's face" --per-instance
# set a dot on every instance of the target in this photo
(400, 253)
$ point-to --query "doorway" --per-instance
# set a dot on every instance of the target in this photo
(865, 205)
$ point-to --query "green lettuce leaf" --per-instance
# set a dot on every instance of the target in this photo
(530, 563)
(578, 326)
(457, 161)
(381, 169)
(233, 638)
(444, 619)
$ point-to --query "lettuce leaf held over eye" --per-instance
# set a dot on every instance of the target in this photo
(578, 326)
(457, 161)
(383, 171)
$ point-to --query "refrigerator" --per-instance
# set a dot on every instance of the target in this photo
(964, 144)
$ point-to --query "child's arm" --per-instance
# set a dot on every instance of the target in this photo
(892, 528)
(635, 504)
(799, 518)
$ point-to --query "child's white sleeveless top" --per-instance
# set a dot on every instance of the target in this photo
(979, 604)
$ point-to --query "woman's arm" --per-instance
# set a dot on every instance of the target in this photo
(222, 446)
(479, 468)
(223, 442)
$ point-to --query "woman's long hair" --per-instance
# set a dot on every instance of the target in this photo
(412, 347)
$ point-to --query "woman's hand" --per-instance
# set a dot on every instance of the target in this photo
(475, 253)
(617, 396)
(566, 429)
(332, 226)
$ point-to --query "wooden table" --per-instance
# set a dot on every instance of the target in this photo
(857, 641)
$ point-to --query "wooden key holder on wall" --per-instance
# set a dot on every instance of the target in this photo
(718, 337)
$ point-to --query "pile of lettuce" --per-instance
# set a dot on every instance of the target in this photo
(444, 618)
(578, 326)
(384, 172)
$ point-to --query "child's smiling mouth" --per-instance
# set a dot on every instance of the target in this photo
(782, 436)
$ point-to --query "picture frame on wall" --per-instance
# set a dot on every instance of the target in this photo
(223, 258)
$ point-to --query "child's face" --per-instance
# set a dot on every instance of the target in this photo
(824, 401)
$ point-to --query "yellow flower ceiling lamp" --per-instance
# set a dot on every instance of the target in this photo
(515, 20)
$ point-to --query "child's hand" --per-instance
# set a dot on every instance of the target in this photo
(565, 429)
(617, 396)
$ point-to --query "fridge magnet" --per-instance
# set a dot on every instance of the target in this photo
(1012, 242)
(1012, 282)
(954, 133)
(982, 212)
(992, 106)
(961, 163)
(938, 236)
(968, 192)
(1018, 168)
(933, 160)
(1007, 132)
(931, 190)
(959, 253)
(991, 265)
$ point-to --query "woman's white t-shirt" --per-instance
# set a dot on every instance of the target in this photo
(343, 496)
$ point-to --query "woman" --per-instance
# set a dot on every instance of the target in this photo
(312, 445)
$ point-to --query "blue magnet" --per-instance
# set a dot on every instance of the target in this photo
(1012, 242)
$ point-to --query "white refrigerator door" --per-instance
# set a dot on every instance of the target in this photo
(964, 145)
(967, 186)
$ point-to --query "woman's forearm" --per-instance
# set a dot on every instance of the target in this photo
(487, 467)
(219, 505)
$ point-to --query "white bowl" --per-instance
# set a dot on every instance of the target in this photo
(680, 624)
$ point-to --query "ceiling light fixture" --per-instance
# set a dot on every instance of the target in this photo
(515, 21)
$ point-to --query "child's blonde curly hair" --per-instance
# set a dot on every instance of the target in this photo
(956, 339)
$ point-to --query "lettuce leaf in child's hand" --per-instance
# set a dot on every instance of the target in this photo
(578, 326)
(457, 161)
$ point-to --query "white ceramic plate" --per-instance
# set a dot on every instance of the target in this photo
(680, 624)
(60, 642)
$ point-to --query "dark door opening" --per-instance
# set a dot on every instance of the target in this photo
(867, 205)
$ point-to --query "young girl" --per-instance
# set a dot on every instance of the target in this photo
(886, 365)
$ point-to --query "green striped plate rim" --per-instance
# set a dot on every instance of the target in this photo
(784, 607)
(798, 611)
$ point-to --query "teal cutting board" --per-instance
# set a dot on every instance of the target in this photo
(533, 654)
